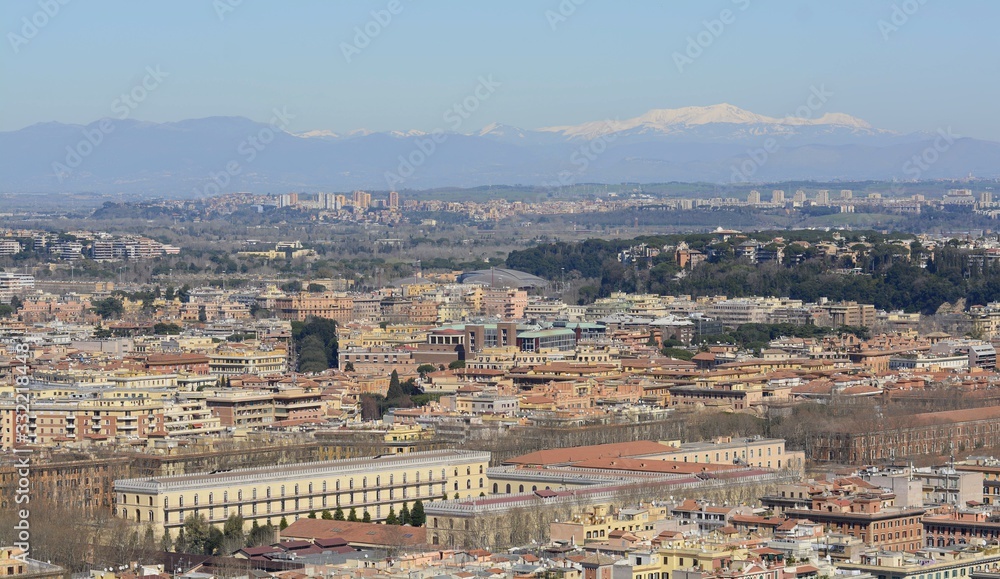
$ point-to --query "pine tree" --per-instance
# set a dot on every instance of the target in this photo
(166, 544)
(417, 516)
(352, 516)
(366, 518)
(283, 524)
(395, 391)
(391, 518)
(338, 515)
(326, 515)
(404, 515)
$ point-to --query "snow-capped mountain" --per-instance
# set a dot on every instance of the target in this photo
(684, 144)
(683, 120)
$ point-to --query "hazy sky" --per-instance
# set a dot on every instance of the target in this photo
(556, 62)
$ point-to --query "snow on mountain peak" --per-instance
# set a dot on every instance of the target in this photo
(674, 120)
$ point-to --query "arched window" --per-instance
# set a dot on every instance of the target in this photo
(211, 498)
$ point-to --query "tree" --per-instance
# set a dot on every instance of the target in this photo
(283, 524)
(197, 531)
(425, 369)
(311, 515)
(214, 542)
(108, 308)
(233, 536)
(417, 516)
(338, 515)
(366, 518)
(326, 515)
(391, 518)
(352, 516)
(312, 355)
(260, 535)
(316, 288)
(166, 543)
(395, 388)
(169, 329)
(349, 367)
(404, 515)
(457, 365)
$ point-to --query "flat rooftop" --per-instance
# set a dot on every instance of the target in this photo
(304, 470)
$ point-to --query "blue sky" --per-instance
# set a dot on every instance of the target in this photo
(607, 59)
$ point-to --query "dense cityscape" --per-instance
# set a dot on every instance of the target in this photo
(242, 337)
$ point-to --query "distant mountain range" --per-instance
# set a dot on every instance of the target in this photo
(720, 143)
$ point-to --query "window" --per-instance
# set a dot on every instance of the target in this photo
(211, 498)
(195, 499)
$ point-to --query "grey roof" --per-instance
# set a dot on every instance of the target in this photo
(502, 277)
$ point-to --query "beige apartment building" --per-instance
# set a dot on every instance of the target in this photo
(333, 306)
(292, 491)
(235, 362)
